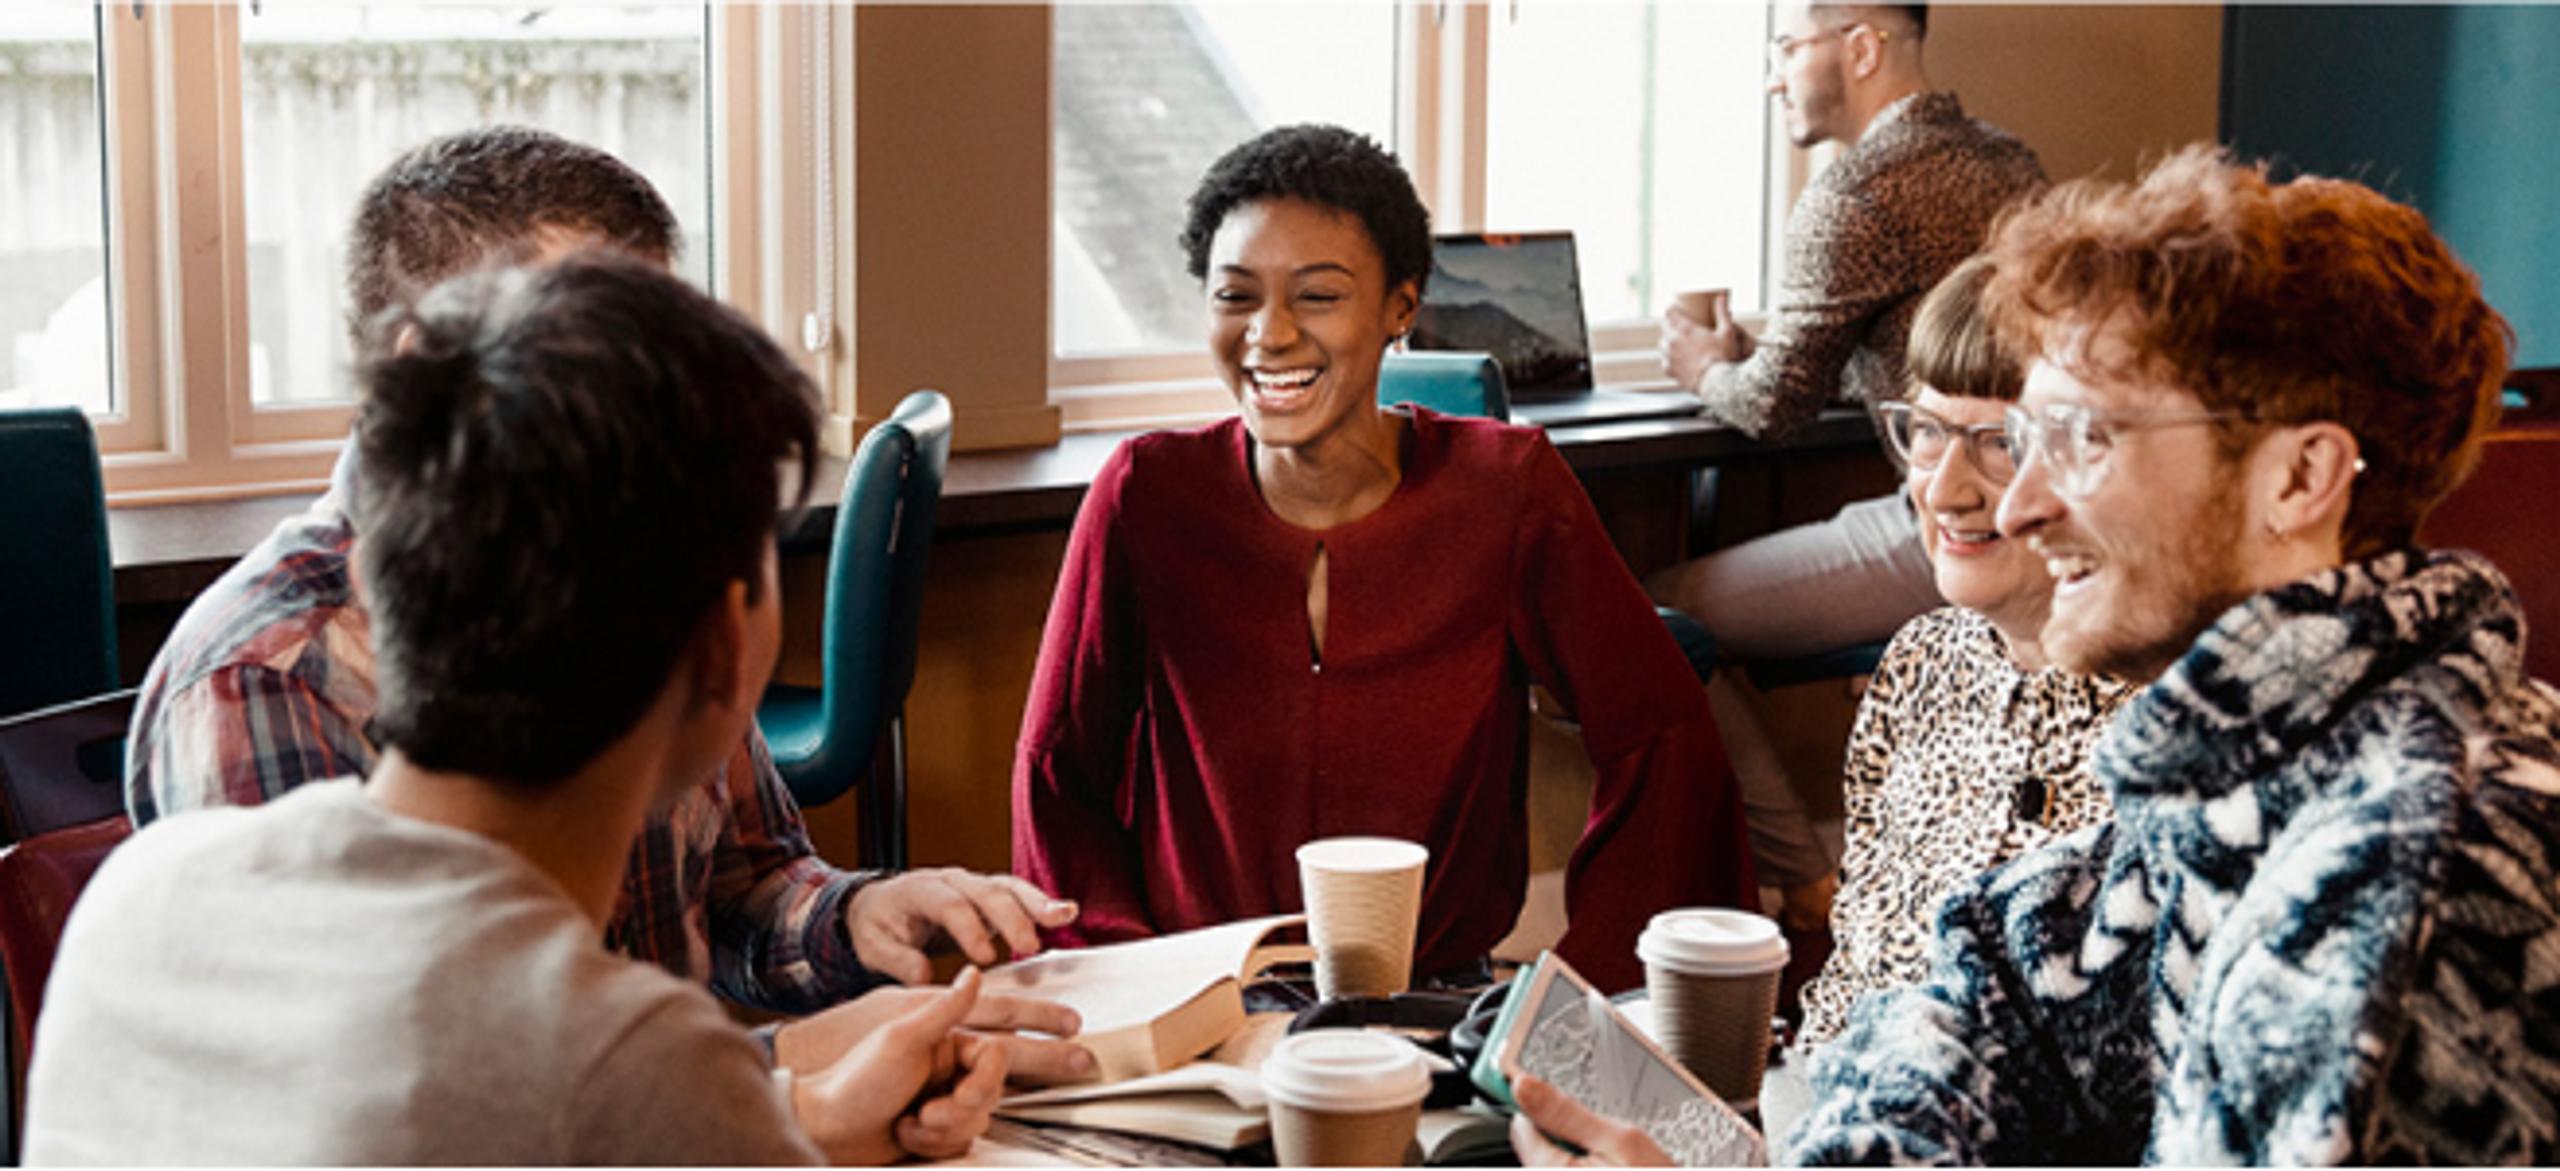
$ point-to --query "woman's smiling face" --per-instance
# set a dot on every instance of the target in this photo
(1958, 501)
(1299, 316)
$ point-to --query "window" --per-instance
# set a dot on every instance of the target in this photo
(53, 232)
(1146, 96)
(178, 181)
(334, 92)
(1640, 126)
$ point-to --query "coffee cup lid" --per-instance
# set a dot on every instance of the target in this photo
(1345, 1070)
(1362, 854)
(1713, 941)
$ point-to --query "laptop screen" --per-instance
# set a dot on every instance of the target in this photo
(1515, 296)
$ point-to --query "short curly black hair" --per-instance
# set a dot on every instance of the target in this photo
(1327, 166)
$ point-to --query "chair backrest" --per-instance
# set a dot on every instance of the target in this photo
(39, 880)
(1452, 382)
(57, 582)
(2497, 513)
(63, 765)
(875, 578)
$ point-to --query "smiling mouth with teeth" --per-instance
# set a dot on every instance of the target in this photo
(1282, 387)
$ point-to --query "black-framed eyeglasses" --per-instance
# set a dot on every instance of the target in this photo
(1921, 439)
(2073, 439)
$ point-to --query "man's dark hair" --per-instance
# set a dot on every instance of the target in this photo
(485, 196)
(1917, 14)
(560, 471)
(1327, 166)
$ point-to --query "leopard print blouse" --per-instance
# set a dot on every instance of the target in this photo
(1958, 762)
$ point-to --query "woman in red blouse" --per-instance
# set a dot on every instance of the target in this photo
(1321, 617)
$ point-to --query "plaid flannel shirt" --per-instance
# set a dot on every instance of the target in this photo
(267, 683)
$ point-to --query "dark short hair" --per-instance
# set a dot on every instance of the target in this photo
(2283, 303)
(1327, 166)
(1952, 349)
(482, 196)
(1917, 14)
(559, 472)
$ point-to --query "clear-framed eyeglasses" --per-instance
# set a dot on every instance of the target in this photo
(1782, 46)
(1921, 439)
(2074, 439)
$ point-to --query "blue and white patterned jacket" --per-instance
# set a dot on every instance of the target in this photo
(2324, 928)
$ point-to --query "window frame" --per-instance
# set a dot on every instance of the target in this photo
(1443, 82)
(183, 426)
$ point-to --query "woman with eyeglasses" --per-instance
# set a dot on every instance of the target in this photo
(1968, 749)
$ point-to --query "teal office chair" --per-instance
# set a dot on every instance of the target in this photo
(57, 585)
(825, 739)
(1451, 382)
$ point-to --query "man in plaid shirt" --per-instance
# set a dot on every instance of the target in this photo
(267, 682)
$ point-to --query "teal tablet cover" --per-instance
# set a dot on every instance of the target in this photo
(1487, 1074)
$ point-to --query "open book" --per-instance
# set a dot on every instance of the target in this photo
(1150, 1005)
(1206, 1103)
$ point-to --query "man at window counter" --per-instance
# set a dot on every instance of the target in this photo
(1911, 194)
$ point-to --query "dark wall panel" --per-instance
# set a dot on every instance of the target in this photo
(2453, 108)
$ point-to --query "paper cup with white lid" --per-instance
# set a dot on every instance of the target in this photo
(1712, 975)
(1363, 895)
(1344, 1098)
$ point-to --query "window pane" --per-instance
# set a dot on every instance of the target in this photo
(53, 234)
(1640, 127)
(336, 91)
(1146, 97)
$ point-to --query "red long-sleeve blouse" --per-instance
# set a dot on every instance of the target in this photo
(1183, 738)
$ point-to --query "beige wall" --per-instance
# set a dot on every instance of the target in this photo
(2094, 88)
(950, 105)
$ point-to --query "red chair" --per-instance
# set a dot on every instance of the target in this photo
(2499, 513)
(39, 880)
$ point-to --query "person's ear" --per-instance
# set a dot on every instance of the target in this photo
(2309, 478)
(716, 661)
(1404, 301)
(1865, 50)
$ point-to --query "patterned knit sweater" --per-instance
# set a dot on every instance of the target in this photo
(2324, 928)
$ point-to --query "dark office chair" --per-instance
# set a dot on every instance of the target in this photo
(63, 766)
(825, 739)
(1450, 382)
(57, 585)
(2496, 512)
(39, 879)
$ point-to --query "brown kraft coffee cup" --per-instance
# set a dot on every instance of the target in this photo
(1344, 1098)
(1362, 896)
(1712, 976)
(1703, 306)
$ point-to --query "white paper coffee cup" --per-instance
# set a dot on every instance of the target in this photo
(1712, 975)
(1362, 897)
(1344, 1098)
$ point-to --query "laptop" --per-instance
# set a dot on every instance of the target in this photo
(1518, 297)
